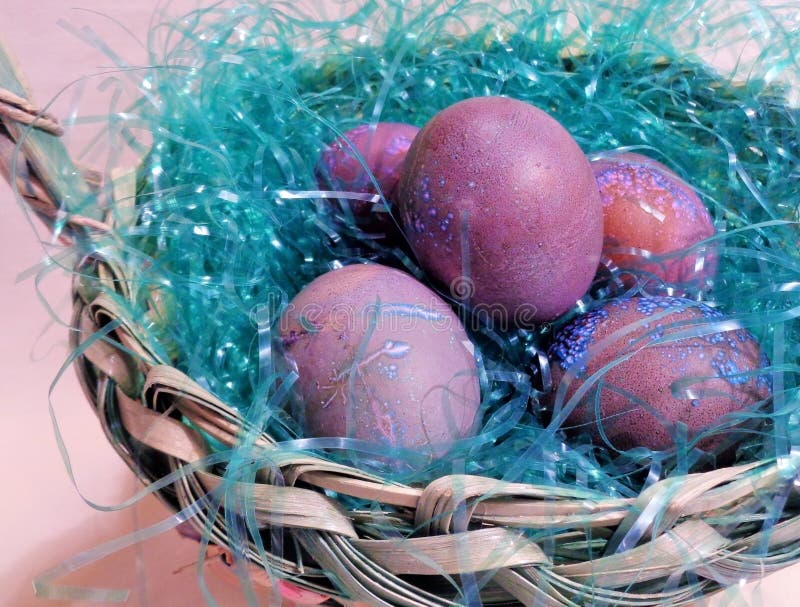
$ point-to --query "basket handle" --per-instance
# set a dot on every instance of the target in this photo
(36, 163)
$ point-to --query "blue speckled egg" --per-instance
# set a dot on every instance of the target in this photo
(658, 382)
(647, 207)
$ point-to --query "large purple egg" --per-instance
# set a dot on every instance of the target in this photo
(649, 386)
(499, 203)
(649, 208)
(380, 357)
(383, 147)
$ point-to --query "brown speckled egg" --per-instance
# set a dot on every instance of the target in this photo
(496, 190)
(380, 357)
(648, 207)
(383, 146)
(643, 397)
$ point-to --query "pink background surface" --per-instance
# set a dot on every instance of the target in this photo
(44, 519)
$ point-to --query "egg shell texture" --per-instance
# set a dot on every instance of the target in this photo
(649, 375)
(647, 206)
(382, 358)
(497, 191)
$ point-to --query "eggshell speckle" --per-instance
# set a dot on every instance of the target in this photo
(648, 207)
(380, 357)
(496, 191)
(637, 405)
(383, 146)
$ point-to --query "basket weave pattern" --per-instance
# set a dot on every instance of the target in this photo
(466, 524)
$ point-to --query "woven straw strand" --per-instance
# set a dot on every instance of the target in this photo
(21, 110)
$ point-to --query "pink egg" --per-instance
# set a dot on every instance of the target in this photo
(383, 146)
(693, 380)
(500, 205)
(648, 207)
(382, 358)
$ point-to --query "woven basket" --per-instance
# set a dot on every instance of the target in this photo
(471, 529)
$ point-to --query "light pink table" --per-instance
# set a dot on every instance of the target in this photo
(43, 520)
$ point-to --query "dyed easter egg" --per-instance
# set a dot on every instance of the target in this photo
(694, 380)
(383, 147)
(380, 357)
(497, 193)
(648, 207)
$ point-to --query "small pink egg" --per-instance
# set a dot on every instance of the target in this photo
(694, 380)
(648, 207)
(383, 146)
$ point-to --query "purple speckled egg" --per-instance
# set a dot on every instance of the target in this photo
(694, 380)
(648, 207)
(496, 191)
(383, 146)
(380, 357)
